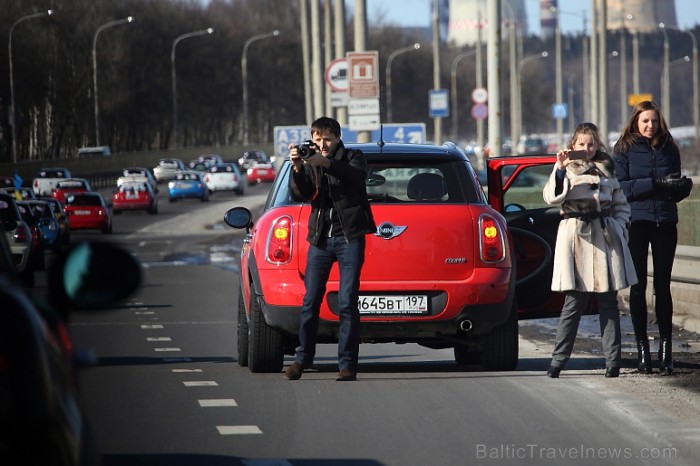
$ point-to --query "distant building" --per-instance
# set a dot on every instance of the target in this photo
(467, 17)
(641, 15)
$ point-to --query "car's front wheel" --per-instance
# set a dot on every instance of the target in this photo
(265, 344)
(242, 331)
(499, 349)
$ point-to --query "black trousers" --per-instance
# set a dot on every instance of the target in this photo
(663, 238)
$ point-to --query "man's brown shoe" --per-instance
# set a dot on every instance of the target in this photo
(346, 375)
(294, 371)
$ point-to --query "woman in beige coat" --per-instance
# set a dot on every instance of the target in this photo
(591, 257)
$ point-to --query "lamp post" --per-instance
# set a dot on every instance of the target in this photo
(244, 77)
(696, 91)
(387, 73)
(512, 62)
(453, 77)
(117, 22)
(665, 92)
(665, 80)
(12, 84)
(453, 80)
(519, 112)
(172, 72)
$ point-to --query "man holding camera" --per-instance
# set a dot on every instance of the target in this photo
(332, 179)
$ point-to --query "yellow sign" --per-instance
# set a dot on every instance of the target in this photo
(634, 99)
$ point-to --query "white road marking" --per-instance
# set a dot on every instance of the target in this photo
(144, 313)
(224, 402)
(201, 383)
(151, 326)
(187, 370)
(238, 430)
(164, 350)
(159, 339)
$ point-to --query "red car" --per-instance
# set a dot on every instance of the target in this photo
(134, 195)
(261, 173)
(70, 186)
(439, 271)
(88, 211)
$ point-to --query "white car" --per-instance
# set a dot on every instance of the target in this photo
(45, 183)
(226, 177)
(19, 237)
(167, 169)
(138, 174)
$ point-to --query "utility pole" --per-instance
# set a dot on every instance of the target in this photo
(493, 66)
(437, 136)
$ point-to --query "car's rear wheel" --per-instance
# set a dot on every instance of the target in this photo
(466, 355)
(265, 344)
(499, 349)
(242, 331)
(153, 209)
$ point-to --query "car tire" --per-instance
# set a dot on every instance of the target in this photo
(242, 334)
(27, 276)
(466, 355)
(108, 229)
(499, 349)
(265, 344)
(40, 259)
(153, 209)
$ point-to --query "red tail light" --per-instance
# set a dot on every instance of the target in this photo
(22, 234)
(491, 239)
(279, 243)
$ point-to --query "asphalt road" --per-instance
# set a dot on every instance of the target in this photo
(166, 388)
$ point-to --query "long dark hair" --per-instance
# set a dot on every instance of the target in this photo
(659, 139)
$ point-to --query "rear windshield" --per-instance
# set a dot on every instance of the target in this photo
(51, 174)
(83, 200)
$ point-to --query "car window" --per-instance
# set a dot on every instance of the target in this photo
(526, 188)
(83, 200)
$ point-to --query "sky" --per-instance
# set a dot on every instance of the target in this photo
(417, 13)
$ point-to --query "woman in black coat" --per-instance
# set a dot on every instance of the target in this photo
(648, 165)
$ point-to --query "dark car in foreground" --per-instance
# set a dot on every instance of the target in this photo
(42, 417)
(439, 271)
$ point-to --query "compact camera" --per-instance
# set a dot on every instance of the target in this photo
(305, 150)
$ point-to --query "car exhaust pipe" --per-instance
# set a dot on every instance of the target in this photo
(466, 325)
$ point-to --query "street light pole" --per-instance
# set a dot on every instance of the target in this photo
(665, 83)
(244, 77)
(117, 22)
(665, 92)
(519, 111)
(13, 120)
(172, 72)
(387, 74)
(453, 77)
(696, 91)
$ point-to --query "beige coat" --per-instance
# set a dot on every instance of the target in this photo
(591, 252)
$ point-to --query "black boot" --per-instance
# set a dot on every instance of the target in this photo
(665, 357)
(643, 356)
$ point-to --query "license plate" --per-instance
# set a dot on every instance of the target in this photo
(399, 305)
(82, 212)
(262, 172)
(132, 196)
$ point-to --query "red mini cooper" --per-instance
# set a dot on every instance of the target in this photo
(439, 271)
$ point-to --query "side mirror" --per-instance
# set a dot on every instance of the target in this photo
(93, 275)
(238, 217)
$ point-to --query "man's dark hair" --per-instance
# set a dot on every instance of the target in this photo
(325, 125)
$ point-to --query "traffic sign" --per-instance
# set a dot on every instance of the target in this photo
(439, 106)
(363, 74)
(364, 122)
(337, 75)
(363, 107)
(404, 133)
(559, 111)
(480, 111)
(480, 95)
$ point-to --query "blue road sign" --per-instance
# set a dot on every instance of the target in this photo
(405, 133)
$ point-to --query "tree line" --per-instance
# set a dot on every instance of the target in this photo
(53, 63)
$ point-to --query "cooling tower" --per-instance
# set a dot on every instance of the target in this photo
(467, 15)
(641, 15)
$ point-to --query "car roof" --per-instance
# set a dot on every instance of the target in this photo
(445, 152)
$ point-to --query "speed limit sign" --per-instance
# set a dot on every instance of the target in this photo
(480, 95)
